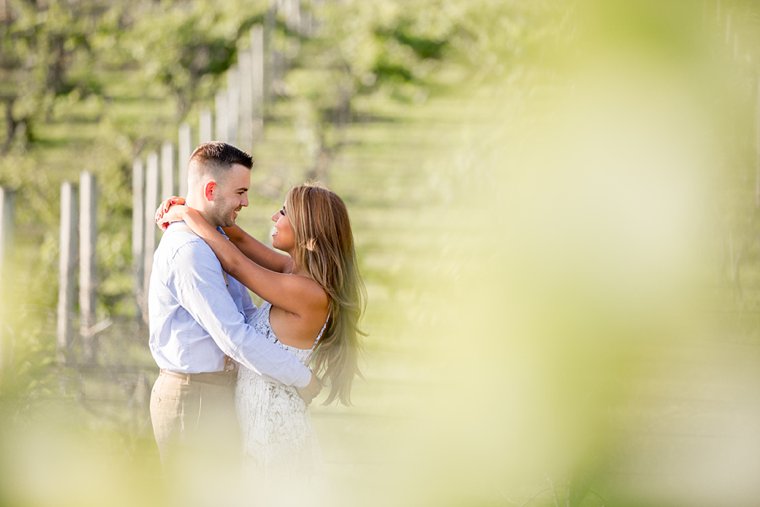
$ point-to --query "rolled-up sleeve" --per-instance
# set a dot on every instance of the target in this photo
(201, 290)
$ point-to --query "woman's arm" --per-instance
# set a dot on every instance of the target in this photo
(296, 294)
(258, 252)
(254, 249)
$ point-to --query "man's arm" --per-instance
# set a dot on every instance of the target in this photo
(201, 290)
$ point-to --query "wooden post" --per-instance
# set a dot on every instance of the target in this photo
(141, 400)
(168, 188)
(288, 9)
(184, 150)
(138, 230)
(258, 74)
(308, 19)
(293, 22)
(6, 240)
(88, 230)
(67, 266)
(233, 105)
(269, 51)
(151, 203)
(245, 135)
(276, 66)
(7, 198)
(295, 18)
(221, 109)
(205, 127)
(282, 10)
(5, 11)
(757, 145)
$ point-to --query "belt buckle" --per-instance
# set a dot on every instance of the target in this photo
(229, 364)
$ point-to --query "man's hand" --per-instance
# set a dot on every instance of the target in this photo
(311, 391)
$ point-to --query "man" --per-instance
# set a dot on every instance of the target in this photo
(198, 318)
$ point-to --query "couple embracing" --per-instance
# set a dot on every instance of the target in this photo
(235, 380)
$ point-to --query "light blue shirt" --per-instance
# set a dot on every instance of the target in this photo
(198, 314)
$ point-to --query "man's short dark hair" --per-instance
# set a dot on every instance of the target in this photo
(221, 155)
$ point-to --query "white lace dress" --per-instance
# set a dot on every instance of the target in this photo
(277, 434)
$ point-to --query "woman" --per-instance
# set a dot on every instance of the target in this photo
(313, 298)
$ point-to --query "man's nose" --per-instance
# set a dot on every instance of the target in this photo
(244, 201)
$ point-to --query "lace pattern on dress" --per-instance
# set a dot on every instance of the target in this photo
(278, 437)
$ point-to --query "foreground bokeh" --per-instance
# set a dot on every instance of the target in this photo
(549, 315)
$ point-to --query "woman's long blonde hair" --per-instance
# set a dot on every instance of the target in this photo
(325, 249)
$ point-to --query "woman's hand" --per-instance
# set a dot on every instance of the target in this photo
(171, 210)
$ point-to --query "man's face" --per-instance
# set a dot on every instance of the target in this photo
(230, 196)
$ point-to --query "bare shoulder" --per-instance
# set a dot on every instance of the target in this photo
(315, 297)
(300, 329)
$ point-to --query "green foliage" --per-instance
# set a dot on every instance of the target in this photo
(186, 47)
(359, 49)
(46, 53)
(183, 47)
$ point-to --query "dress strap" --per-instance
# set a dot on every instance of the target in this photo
(321, 332)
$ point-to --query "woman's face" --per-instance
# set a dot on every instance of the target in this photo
(283, 237)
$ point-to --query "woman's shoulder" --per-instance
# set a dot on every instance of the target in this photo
(315, 297)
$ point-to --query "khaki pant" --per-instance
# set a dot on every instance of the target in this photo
(196, 429)
(195, 415)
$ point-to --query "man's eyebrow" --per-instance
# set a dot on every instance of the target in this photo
(243, 188)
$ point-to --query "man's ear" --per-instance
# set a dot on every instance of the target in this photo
(209, 189)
